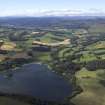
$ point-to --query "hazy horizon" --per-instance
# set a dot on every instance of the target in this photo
(51, 7)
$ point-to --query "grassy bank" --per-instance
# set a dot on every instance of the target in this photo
(93, 92)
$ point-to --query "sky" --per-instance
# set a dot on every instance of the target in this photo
(28, 7)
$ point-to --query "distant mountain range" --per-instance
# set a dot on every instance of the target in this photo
(49, 22)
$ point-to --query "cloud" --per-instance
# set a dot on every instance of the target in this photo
(64, 12)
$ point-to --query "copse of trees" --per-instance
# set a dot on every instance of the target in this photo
(96, 64)
(18, 36)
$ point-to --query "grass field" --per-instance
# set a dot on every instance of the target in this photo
(97, 28)
(9, 101)
(87, 57)
(93, 92)
(43, 57)
(98, 45)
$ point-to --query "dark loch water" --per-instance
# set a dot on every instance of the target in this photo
(37, 81)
